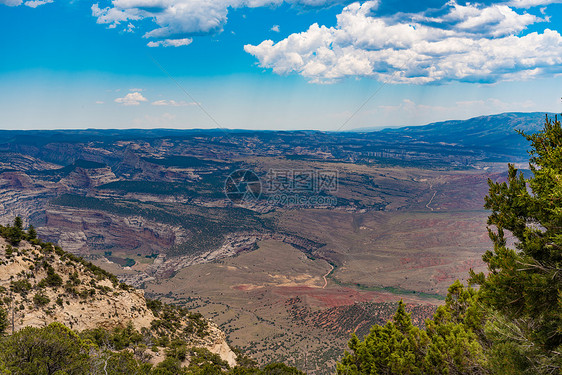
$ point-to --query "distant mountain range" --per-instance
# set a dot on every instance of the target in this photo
(480, 138)
(497, 132)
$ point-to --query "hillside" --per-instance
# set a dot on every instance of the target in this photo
(495, 134)
(41, 284)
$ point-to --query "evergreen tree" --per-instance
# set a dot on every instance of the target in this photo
(396, 347)
(124, 363)
(18, 223)
(49, 350)
(31, 233)
(15, 233)
(523, 288)
(280, 369)
(169, 366)
(449, 345)
(456, 335)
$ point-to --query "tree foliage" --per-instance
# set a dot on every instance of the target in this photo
(449, 344)
(523, 288)
(50, 350)
(58, 350)
(15, 233)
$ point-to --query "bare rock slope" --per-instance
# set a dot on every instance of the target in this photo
(41, 284)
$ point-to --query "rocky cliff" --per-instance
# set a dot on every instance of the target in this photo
(41, 284)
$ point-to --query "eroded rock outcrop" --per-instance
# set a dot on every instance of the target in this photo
(41, 284)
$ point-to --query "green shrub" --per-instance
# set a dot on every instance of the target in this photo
(280, 369)
(53, 279)
(154, 305)
(74, 279)
(20, 286)
(54, 349)
(202, 361)
(40, 299)
(177, 349)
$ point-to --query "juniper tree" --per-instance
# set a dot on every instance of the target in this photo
(51, 350)
(15, 233)
(523, 288)
(31, 233)
(449, 345)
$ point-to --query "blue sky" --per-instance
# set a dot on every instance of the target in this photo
(273, 64)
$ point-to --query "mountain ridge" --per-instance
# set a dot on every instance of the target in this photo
(492, 132)
(371, 129)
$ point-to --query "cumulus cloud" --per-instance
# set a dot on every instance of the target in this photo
(36, 3)
(498, 20)
(179, 19)
(275, 28)
(132, 98)
(114, 16)
(532, 3)
(171, 42)
(29, 3)
(11, 3)
(465, 43)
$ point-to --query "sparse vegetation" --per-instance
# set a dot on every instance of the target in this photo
(40, 299)
(56, 349)
(207, 232)
(20, 286)
(53, 279)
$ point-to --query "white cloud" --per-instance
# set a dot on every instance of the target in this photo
(113, 16)
(531, 3)
(172, 103)
(171, 42)
(497, 20)
(11, 3)
(132, 98)
(466, 43)
(36, 3)
(177, 19)
(99, 102)
(275, 28)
